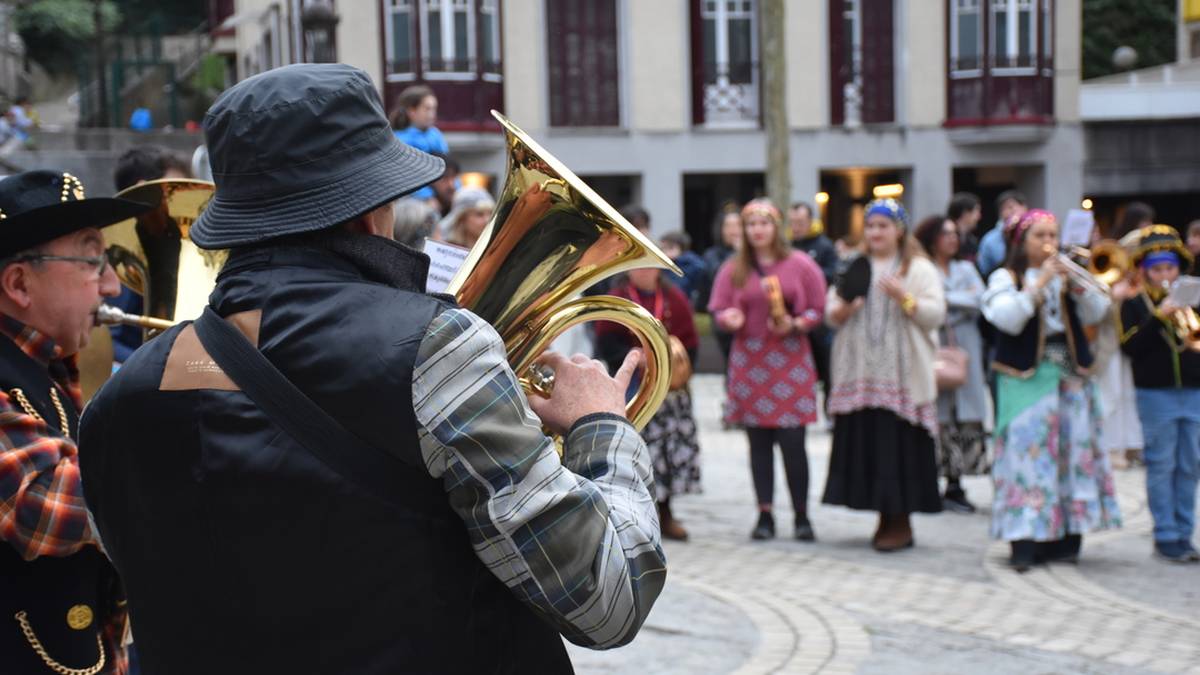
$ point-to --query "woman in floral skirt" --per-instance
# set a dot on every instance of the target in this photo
(1052, 481)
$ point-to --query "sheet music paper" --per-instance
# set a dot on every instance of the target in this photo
(444, 261)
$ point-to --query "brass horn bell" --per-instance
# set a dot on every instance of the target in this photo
(550, 238)
(153, 255)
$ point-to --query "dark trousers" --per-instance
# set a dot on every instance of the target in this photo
(795, 464)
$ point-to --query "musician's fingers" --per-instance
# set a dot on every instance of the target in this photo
(550, 359)
(581, 359)
(625, 373)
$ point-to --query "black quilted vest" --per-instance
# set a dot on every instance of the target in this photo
(1019, 355)
(242, 552)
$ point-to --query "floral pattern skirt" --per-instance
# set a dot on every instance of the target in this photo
(674, 448)
(1050, 476)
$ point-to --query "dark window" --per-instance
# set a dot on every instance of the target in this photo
(725, 71)
(861, 76)
(1001, 62)
(581, 38)
(454, 47)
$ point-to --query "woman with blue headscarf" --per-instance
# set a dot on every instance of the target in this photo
(884, 398)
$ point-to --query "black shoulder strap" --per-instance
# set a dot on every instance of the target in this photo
(387, 478)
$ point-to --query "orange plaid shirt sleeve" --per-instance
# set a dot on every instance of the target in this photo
(41, 501)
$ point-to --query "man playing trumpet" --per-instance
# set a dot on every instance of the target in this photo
(61, 607)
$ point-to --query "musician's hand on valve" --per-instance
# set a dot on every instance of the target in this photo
(582, 386)
(1168, 309)
(1052, 267)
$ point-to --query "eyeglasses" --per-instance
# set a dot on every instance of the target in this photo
(98, 263)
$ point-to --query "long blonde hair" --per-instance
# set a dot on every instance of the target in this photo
(780, 248)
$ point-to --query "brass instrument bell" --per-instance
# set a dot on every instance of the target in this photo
(550, 238)
(154, 256)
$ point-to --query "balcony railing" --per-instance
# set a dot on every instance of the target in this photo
(990, 99)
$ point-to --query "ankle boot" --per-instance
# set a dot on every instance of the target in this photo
(895, 533)
(671, 528)
(1024, 555)
(765, 528)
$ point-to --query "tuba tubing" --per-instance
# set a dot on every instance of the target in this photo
(651, 335)
(550, 238)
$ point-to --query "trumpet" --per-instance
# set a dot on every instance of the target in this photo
(1184, 322)
(1107, 263)
(107, 315)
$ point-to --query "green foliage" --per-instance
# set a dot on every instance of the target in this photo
(53, 30)
(1146, 25)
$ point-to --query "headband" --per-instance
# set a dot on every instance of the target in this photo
(887, 207)
(1157, 257)
(1028, 220)
(762, 207)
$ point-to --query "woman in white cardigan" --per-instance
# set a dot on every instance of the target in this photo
(884, 398)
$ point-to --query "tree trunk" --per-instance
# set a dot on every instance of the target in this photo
(774, 101)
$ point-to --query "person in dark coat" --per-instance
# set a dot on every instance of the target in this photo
(333, 471)
(810, 239)
(61, 604)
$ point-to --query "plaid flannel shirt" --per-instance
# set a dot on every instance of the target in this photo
(41, 500)
(577, 539)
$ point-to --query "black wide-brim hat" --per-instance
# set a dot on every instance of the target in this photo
(855, 280)
(40, 206)
(1151, 239)
(302, 148)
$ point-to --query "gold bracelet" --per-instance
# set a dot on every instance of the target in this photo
(908, 304)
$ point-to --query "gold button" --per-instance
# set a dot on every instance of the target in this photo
(79, 617)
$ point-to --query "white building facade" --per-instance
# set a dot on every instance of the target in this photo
(660, 103)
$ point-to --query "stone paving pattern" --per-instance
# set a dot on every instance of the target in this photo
(949, 605)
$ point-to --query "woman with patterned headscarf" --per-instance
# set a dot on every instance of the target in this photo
(884, 399)
(770, 297)
(1052, 481)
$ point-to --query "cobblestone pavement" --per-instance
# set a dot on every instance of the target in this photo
(949, 605)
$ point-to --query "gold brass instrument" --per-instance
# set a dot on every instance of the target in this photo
(1184, 322)
(153, 255)
(1107, 263)
(550, 238)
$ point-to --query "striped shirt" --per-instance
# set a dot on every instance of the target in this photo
(576, 539)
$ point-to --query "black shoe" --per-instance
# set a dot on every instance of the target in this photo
(1024, 555)
(956, 502)
(804, 530)
(765, 529)
(1171, 551)
(1061, 550)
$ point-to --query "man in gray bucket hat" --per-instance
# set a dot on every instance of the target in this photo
(333, 472)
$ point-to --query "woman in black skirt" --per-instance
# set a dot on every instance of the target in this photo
(884, 400)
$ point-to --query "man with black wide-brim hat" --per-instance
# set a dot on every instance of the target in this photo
(60, 601)
(331, 471)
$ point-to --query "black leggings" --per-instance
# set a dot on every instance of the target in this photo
(795, 464)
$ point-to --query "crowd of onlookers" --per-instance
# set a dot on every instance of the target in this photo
(940, 355)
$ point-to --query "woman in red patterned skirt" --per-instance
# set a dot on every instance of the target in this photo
(769, 297)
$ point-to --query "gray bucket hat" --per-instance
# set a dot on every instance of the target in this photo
(302, 148)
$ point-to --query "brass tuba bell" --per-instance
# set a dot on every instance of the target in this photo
(153, 255)
(550, 238)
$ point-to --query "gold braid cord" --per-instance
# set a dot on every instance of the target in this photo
(29, 409)
(23, 619)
